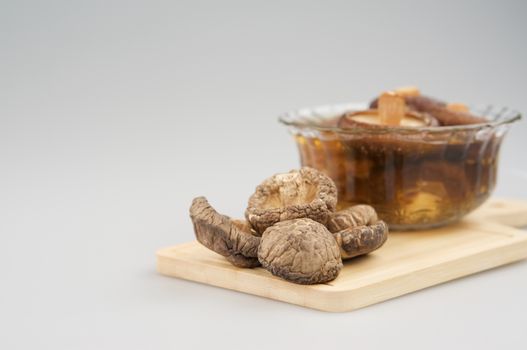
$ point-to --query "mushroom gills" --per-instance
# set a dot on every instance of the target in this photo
(301, 193)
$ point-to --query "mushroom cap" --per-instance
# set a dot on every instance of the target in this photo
(359, 240)
(301, 251)
(303, 193)
(357, 215)
(357, 230)
(231, 238)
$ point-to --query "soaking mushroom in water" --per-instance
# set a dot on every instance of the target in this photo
(391, 110)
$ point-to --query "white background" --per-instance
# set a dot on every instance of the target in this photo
(114, 115)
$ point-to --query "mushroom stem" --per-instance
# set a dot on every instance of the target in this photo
(407, 91)
(392, 108)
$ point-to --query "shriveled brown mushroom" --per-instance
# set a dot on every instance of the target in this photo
(357, 230)
(231, 238)
(304, 193)
(357, 215)
(301, 251)
(293, 246)
(360, 240)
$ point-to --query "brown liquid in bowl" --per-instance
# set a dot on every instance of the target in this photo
(413, 180)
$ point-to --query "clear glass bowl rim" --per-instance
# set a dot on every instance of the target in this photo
(296, 119)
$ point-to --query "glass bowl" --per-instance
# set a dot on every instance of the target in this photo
(414, 177)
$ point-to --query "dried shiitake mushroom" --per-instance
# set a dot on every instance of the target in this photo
(231, 238)
(304, 193)
(357, 230)
(357, 215)
(360, 240)
(301, 251)
(292, 212)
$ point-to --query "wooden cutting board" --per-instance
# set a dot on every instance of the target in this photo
(409, 261)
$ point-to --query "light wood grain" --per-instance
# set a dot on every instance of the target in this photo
(409, 261)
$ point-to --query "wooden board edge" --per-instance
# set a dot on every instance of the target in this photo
(326, 299)
(266, 285)
(428, 277)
